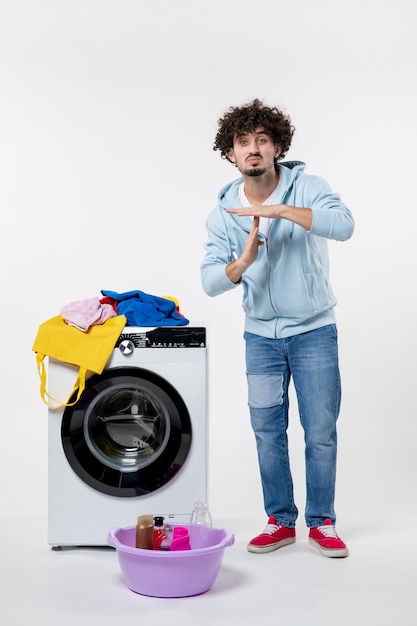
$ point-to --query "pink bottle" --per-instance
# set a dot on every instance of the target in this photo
(180, 538)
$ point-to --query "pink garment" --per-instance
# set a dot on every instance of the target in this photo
(85, 313)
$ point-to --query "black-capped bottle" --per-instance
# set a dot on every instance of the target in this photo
(162, 534)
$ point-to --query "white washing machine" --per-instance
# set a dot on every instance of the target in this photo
(136, 441)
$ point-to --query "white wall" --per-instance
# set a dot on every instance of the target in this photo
(108, 114)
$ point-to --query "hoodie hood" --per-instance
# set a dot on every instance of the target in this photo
(228, 197)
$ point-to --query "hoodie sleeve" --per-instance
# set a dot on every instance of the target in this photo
(219, 253)
(331, 218)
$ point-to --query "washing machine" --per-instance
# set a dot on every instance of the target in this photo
(135, 442)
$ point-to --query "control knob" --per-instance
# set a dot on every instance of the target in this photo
(126, 347)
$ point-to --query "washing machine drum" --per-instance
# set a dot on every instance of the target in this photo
(129, 434)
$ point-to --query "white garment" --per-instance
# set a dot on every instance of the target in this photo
(264, 222)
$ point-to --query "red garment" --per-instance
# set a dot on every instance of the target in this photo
(108, 300)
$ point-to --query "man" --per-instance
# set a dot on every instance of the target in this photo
(269, 234)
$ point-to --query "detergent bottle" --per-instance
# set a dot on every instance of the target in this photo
(180, 539)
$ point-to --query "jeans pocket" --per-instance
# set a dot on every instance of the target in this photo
(265, 390)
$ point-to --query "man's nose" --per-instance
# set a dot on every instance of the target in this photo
(253, 147)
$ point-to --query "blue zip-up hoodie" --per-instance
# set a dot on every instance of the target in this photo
(286, 291)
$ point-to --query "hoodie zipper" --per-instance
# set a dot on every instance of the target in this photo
(273, 307)
(276, 311)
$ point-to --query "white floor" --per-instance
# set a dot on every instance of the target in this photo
(294, 586)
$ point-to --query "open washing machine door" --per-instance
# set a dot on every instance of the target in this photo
(129, 434)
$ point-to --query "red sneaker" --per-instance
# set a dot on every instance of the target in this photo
(274, 536)
(327, 540)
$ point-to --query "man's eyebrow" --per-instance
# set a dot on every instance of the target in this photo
(243, 133)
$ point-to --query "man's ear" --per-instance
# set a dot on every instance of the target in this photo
(278, 150)
(230, 155)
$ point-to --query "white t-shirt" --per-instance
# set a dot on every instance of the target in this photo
(264, 222)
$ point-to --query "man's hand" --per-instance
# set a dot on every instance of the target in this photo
(259, 210)
(302, 217)
(250, 252)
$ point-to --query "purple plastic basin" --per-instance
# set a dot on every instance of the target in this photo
(165, 574)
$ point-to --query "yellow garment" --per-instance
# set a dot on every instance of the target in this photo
(177, 304)
(89, 350)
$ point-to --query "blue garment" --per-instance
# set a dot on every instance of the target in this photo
(286, 291)
(312, 360)
(143, 309)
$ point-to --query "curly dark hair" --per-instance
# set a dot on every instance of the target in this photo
(249, 117)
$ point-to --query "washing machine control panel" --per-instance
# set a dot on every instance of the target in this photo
(168, 337)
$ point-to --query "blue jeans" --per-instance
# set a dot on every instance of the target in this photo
(311, 359)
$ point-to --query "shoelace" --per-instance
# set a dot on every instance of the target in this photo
(328, 531)
(271, 528)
